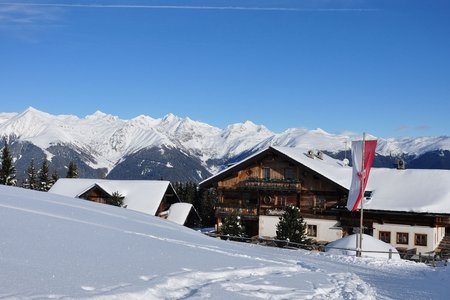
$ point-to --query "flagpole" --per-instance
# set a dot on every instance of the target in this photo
(363, 175)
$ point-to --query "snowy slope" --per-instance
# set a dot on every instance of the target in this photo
(64, 248)
(109, 139)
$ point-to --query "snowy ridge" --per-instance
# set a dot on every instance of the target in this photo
(108, 138)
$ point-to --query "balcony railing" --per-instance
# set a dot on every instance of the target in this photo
(270, 184)
(249, 210)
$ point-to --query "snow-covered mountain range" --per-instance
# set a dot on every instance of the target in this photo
(173, 147)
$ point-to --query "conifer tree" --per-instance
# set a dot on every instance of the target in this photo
(187, 192)
(31, 180)
(232, 225)
(116, 199)
(7, 169)
(206, 207)
(54, 177)
(203, 201)
(291, 226)
(44, 180)
(72, 171)
(191, 192)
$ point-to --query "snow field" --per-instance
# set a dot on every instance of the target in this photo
(53, 247)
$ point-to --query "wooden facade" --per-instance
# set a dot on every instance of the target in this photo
(169, 198)
(270, 181)
(265, 183)
(96, 194)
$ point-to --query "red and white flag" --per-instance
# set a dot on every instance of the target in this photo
(358, 186)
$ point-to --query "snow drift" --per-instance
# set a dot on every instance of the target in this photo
(371, 247)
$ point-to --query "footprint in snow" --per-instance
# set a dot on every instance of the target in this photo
(147, 278)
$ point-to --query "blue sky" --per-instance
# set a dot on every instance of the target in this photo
(382, 67)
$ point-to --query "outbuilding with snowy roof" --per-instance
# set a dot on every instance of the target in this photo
(152, 197)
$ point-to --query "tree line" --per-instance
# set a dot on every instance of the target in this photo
(40, 180)
(204, 201)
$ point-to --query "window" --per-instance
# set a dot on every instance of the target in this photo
(312, 230)
(289, 174)
(420, 239)
(368, 195)
(385, 236)
(281, 200)
(266, 173)
(246, 198)
(249, 199)
(402, 238)
(321, 202)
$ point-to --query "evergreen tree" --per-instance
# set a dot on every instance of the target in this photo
(54, 178)
(203, 201)
(187, 192)
(207, 207)
(72, 171)
(31, 180)
(44, 180)
(232, 225)
(116, 199)
(292, 227)
(192, 193)
(7, 169)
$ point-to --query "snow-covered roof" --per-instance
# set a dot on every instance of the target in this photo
(179, 212)
(343, 246)
(327, 166)
(414, 190)
(140, 195)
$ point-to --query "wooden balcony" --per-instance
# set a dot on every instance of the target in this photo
(269, 185)
(223, 209)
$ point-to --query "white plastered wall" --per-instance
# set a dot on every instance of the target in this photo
(327, 230)
(434, 235)
(268, 225)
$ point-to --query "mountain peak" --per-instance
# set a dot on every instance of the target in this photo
(320, 131)
(101, 115)
(144, 121)
(170, 117)
(31, 109)
(248, 126)
(31, 112)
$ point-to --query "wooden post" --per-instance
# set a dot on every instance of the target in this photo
(363, 171)
(390, 253)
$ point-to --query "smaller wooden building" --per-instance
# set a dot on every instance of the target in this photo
(148, 196)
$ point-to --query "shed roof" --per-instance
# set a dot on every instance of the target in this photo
(179, 212)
